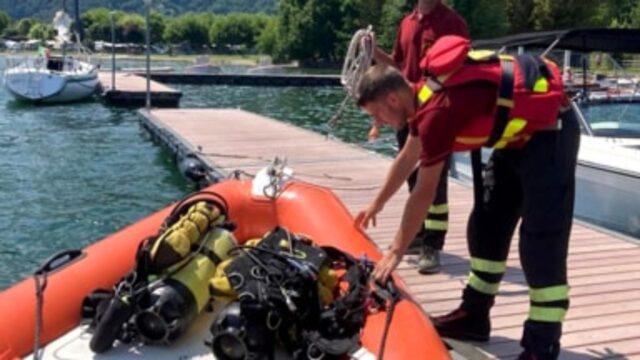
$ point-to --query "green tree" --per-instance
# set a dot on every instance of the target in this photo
(5, 21)
(635, 15)
(157, 23)
(267, 42)
(40, 31)
(392, 13)
(553, 14)
(131, 28)
(308, 29)
(24, 25)
(357, 14)
(485, 18)
(520, 15)
(616, 13)
(97, 23)
(192, 28)
(236, 29)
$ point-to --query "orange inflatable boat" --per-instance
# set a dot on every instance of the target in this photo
(300, 207)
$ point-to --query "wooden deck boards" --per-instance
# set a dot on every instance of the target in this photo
(604, 271)
(130, 90)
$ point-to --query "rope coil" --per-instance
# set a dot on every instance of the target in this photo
(356, 62)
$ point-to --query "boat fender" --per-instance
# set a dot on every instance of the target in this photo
(192, 168)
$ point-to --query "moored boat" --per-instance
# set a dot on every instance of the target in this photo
(255, 209)
(53, 79)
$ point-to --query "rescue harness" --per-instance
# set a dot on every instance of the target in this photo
(530, 91)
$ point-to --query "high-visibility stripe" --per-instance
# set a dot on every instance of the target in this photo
(548, 294)
(541, 86)
(547, 314)
(425, 94)
(436, 225)
(482, 286)
(505, 102)
(514, 126)
(489, 266)
(478, 55)
(439, 209)
(469, 140)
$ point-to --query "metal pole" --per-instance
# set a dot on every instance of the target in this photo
(148, 38)
(79, 27)
(113, 49)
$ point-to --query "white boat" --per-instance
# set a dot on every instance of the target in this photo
(47, 79)
(203, 65)
(52, 80)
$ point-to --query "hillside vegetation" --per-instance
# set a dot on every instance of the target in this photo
(46, 9)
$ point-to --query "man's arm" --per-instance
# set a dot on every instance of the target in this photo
(400, 170)
(415, 210)
(382, 57)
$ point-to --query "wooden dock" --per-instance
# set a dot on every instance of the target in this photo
(131, 91)
(604, 271)
(246, 79)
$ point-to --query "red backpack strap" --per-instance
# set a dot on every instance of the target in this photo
(504, 103)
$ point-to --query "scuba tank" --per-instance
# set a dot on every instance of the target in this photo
(170, 306)
(169, 286)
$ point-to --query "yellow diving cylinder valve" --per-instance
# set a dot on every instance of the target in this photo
(172, 303)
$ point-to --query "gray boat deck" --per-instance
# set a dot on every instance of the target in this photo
(604, 271)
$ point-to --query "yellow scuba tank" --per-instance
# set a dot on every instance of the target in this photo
(172, 303)
(169, 286)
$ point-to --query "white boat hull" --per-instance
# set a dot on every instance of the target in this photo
(607, 182)
(32, 81)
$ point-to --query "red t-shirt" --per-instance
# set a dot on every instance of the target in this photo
(448, 114)
(418, 32)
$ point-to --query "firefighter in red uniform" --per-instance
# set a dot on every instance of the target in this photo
(418, 31)
(517, 106)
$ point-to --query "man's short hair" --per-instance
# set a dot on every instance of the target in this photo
(378, 81)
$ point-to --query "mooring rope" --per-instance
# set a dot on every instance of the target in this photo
(356, 62)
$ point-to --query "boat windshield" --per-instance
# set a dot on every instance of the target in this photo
(620, 120)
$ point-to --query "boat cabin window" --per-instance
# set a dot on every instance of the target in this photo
(620, 120)
(55, 64)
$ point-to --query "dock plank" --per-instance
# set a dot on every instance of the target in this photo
(604, 274)
(130, 90)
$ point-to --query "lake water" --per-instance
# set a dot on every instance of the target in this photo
(72, 174)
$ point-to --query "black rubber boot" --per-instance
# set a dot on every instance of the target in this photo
(463, 324)
(541, 340)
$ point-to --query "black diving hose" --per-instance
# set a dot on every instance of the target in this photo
(393, 296)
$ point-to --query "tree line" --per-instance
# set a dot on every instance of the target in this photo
(319, 30)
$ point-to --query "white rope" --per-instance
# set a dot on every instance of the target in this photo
(356, 62)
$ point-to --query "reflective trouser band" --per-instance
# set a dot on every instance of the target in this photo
(547, 314)
(482, 286)
(549, 294)
(439, 209)
(488, 266)
(436, 225)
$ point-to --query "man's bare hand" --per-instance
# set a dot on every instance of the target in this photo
(368, 215)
